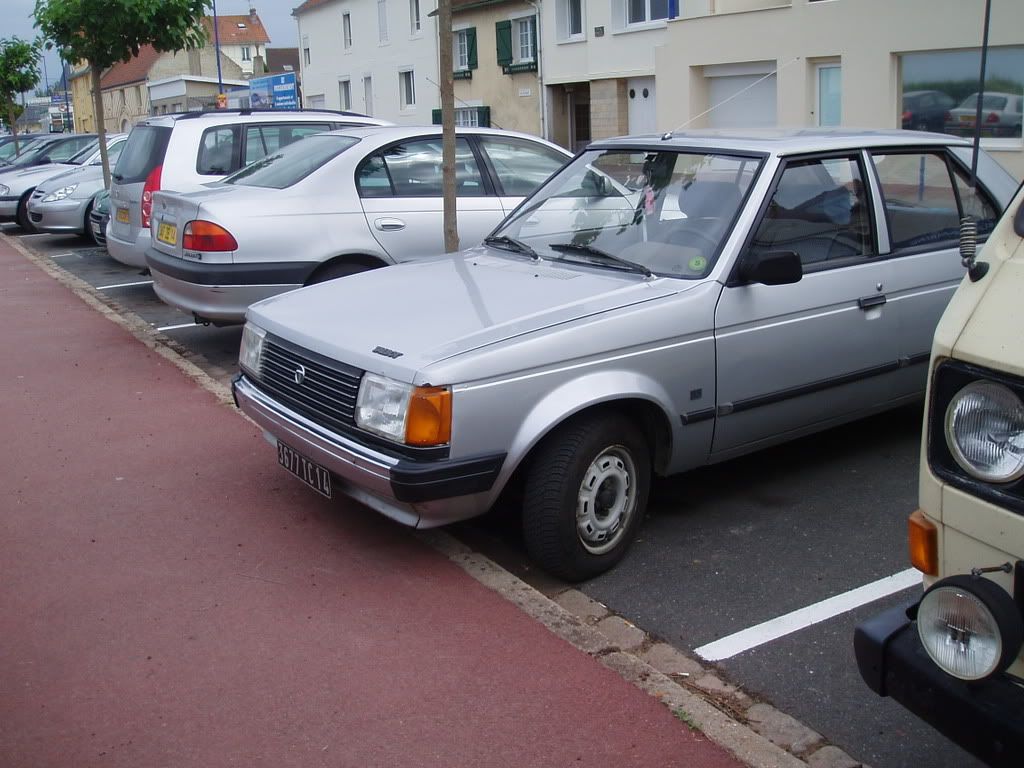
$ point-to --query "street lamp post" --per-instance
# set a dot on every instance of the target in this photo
(216, 49)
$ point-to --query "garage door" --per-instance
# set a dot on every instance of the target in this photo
(739, 100)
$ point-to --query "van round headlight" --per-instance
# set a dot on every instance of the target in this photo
(970, 627)
(985, 432)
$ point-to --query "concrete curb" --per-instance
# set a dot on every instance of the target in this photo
(707, 704)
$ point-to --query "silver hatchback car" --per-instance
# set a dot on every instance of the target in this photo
(659, 304)
(333, 205)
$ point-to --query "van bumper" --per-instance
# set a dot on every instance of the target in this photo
(986, 718)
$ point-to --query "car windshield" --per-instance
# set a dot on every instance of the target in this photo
(80, 157)
(7, 151)
(988, 101)
(28, 156)
(292, 163)
(667, 212)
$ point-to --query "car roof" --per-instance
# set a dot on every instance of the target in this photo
(387, 133)
(245, 115)
(782, 141)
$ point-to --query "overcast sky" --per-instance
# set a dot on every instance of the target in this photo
(17, 21)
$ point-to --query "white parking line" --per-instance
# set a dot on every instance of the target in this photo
(175, 327)
(62, 255)
(123, 285)
(727, 647)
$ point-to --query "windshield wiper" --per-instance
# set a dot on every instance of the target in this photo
(511, 244)
(590, 250)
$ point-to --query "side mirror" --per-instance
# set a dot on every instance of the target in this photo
(771, 267)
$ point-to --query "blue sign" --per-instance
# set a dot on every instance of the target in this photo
(276, 92)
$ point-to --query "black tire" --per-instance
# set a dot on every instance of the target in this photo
(22, 214)
(585, 492)
(336, 270)
(87, 226)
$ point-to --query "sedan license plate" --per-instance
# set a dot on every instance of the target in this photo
(122, 215)
(167, 233)
(966, 118)
(312, 474)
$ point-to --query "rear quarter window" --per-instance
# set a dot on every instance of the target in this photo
(144, 151)
(292, 163)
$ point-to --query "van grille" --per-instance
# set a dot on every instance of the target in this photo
(323, 391)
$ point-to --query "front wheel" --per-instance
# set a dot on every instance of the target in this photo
(585, 491)
(21, 216)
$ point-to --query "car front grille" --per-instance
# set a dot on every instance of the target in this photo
(322, 390)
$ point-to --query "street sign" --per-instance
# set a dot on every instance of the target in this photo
(275, 91)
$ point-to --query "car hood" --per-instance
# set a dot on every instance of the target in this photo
(26, 176)
(76, 174)
(420, 313)
(990, 336)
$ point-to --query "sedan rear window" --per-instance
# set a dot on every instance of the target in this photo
(145, 150)
(291, 164)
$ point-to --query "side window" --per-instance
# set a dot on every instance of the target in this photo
(415, 169)
(261, 140)
(217, 151)
(64, 150)
(114, 152)
(372, 178)
(975, 202)
(520, 166)
(819, 209)
(920, 203)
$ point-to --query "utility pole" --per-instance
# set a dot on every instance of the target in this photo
(216, 52)
(451, 228)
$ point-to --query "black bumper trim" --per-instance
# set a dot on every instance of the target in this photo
(986, 719)
(414, 482)
(199, 273)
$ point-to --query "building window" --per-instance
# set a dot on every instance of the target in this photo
(526, 39)
(573, 17)
(346, 30)
(368, 95)
(940, 93)
(345, 94)
(830, 107)
(382, 20)
(407, 88)
(643, 11)
(246, 53)
(415, 23)
(464, 49)
(467, 117)
(305, 49)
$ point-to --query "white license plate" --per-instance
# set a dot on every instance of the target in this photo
(309, 472)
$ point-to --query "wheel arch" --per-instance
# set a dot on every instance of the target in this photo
(363, 259)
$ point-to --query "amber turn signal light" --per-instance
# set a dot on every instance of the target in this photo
(429, 420)
(924, 543)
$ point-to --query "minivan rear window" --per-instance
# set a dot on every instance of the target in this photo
(292, 163)
(144, 151)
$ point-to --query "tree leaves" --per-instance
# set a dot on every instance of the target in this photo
(19, 72)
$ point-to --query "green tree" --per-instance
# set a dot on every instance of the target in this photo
(105, 32)
(19, 72)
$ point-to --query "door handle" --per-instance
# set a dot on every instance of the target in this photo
(389, 225)
(867, 302)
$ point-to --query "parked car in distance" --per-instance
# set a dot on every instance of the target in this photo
(659, 304)
(10, 149)
(182, 152)
(99, 216)
(954, 656)
(333, 205)
(19, 179)
(62, 203)
(1000, 115)
(49, 148)
(926, 110)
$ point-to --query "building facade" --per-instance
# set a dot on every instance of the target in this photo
(243, 39)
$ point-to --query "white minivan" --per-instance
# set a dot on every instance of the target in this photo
(182, 152)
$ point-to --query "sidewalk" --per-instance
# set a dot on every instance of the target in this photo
(169, 597)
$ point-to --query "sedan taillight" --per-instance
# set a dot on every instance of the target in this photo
(152, 185)
(993, 117)
(202, 235)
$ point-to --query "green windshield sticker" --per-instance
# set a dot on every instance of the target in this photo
(697, 264)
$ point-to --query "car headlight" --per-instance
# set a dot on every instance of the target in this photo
(985, 431)
(969, 626)
(252, 349)
(4, 189)
(60, 194)
(420, 416)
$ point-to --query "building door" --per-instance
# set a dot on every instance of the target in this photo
(640, 94)
(318, 102)
(741, 96)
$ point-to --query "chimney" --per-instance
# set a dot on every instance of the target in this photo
(252, 11)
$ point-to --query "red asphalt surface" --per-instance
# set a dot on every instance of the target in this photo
(170, 597)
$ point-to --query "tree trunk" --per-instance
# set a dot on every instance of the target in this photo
(444, 32)
(101, 126)
(14, 127)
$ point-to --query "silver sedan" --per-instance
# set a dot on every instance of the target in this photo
(333, 205)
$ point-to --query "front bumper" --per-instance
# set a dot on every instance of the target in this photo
(61, 216)
(9, 207)
(986, 719)
(423, 494)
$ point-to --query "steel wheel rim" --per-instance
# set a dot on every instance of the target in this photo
(606, 500)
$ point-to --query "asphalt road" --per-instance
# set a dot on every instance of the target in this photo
(723, 549)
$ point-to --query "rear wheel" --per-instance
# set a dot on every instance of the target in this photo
(585, 491)
(22, 214)
(335, 270)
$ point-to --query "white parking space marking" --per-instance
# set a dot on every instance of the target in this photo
(176, 327)
(62, 255)
(732, 645)
(123, 285)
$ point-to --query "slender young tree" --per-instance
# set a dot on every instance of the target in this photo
(449, 215)
(105, 32)
(19, 72)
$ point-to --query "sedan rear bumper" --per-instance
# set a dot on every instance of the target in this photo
(983, 718)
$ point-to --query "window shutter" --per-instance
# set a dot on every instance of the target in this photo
(435, 116)
(483, 116)
(471, 47)
(533, 38)
(503, 33)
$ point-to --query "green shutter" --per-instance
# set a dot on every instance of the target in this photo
(435, 116)
(483, 116)
(503, 32)
(471, 47)
(533, 38)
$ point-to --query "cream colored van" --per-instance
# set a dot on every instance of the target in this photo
(954, 657)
